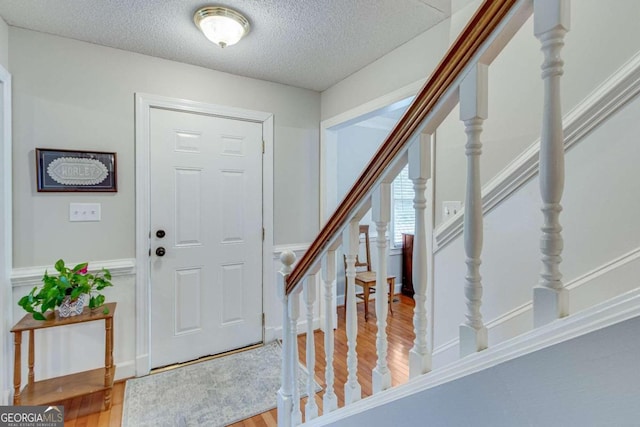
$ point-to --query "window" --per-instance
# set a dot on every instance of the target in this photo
(403, 220)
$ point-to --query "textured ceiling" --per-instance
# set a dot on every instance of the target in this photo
(311, 44)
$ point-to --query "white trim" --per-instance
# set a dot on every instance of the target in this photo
(328, 143)
(32, 276)
(6, 231)
(298, 248)
(587, 277)
(616, 310)
(143, 104)
(595, 109)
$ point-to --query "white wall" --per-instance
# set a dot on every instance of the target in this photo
(70, 94)
(4, 44)
(592, 380)
(600, 230)
(405, 65)
(5, 228)
(602, 38)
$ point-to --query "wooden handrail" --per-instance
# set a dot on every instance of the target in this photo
(476, 32)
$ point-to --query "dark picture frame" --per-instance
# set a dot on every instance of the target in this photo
(75, 171)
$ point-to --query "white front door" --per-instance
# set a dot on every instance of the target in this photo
(206, 235)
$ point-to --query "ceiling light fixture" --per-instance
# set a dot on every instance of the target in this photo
(221, 25)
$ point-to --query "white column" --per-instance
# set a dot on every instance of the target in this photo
(350, 244)
(309, 295)
(473, 110)
(294, 313)
(381, 214)
(285, 398)
(330, 400)
(550, 298)
(419, 173)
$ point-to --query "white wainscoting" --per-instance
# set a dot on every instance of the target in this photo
(600, 283)
(273, 306)
(61, 351)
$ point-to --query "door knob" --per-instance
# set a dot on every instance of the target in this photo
(160, 234)
(160, 251)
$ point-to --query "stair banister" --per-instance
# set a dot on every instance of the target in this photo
(460, 76)
(550, 298)
(473, 111)
(381, 215)
(420, 173)
(481, 26)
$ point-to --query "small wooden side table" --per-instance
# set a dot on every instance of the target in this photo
(68, 386)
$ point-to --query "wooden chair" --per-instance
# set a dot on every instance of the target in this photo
(367, 278)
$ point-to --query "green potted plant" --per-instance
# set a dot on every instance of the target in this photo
(68, 290)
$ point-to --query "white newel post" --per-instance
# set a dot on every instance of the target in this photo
(420, 173)
(350, 244)
(329, 400)
(473, 110)
(285, 394)
(550, 298)
(309, 294)
(381, 214)
(294, 313)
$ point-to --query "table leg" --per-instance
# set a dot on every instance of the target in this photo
(108, 362)
(32, 351)
(17, 368)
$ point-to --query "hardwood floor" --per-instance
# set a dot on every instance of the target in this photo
(400, 338)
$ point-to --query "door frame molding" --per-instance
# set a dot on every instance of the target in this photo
(6, 239)
(143, 105)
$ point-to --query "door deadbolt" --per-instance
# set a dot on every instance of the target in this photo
(160, 251)
(160, 234)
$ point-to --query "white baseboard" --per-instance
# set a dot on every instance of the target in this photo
(526, 309)
(275, 333)
(125, 370)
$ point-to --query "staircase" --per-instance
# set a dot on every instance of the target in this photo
(460, 80)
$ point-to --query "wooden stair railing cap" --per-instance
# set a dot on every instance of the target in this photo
(476, 32)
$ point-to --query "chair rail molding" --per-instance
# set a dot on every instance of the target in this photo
(591, 112)
(32, 276)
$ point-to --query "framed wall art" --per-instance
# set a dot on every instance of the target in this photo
(67, 170)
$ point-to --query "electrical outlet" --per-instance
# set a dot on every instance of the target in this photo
(450, 209)
(79, 212)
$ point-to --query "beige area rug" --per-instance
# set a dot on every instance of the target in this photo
(217, 392)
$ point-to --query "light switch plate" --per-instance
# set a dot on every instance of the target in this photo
(450, 209)
(80, 212)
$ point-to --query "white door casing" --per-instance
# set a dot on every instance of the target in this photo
(6, 304)
(206, 266)
(144, 105)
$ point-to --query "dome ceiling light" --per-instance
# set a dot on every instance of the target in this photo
(221, 25)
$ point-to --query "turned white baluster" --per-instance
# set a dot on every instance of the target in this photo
(550, 298)
(420, 173)
(294, 313)
(285, 394)
(381, 214)
(329, 400)
(350, 244)
(473, 110)
(309, 295)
